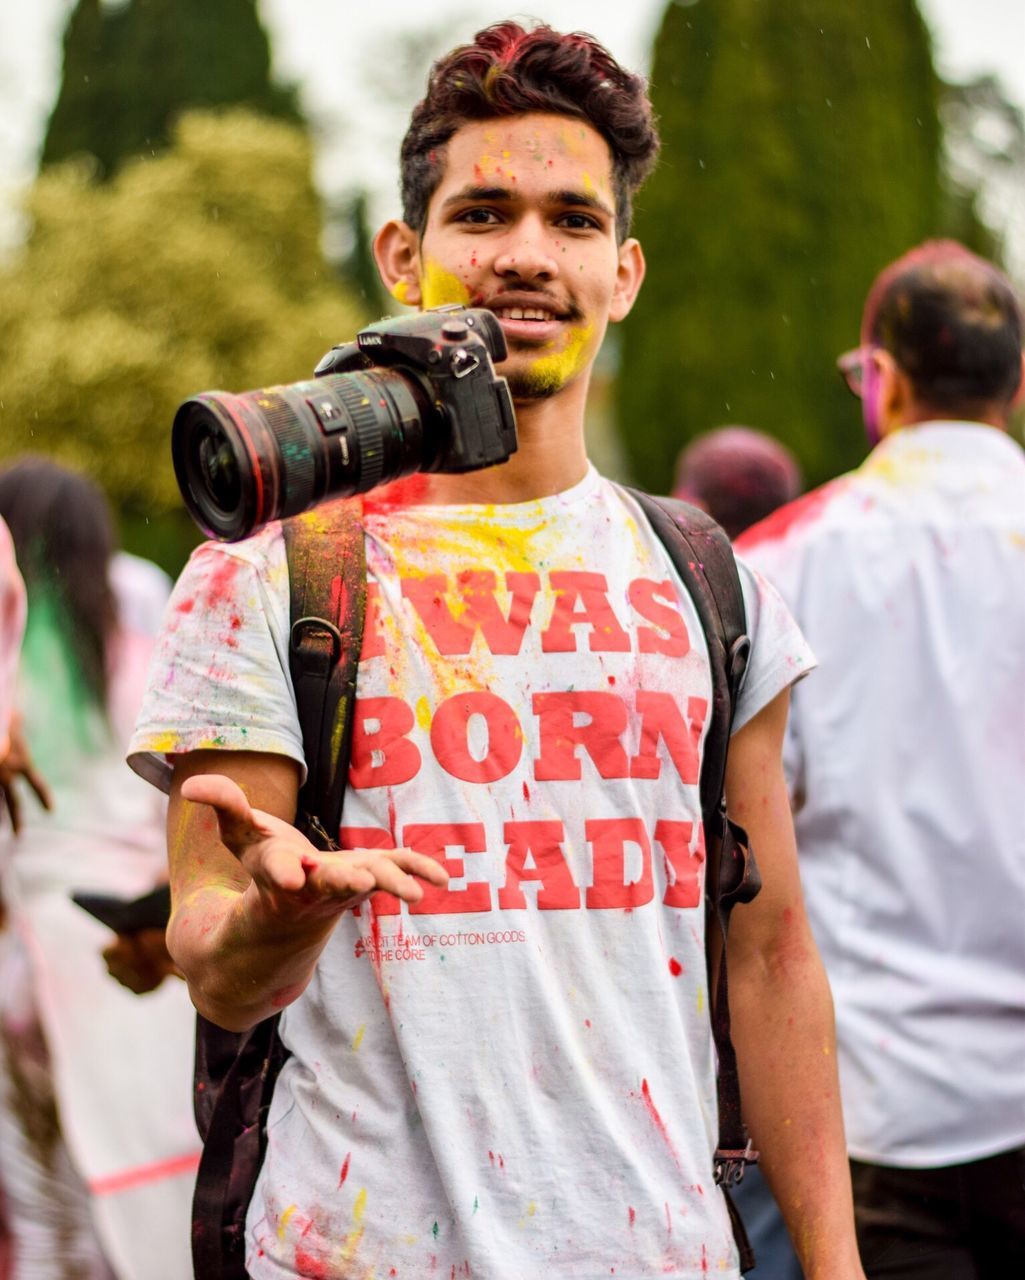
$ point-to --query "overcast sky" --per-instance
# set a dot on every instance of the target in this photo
(347, 57)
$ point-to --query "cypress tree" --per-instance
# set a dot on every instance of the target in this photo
(801, 152)
(130, 71)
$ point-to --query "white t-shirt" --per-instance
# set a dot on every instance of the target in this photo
(906, 755)
(513, 1077)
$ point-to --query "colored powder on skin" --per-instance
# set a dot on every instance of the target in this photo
(400, 291)
(439, 287)
(549, 373)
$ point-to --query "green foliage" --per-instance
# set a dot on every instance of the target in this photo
(199, 269)
(130, 70)
(801, 153)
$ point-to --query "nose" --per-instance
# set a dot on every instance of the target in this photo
(528, 253)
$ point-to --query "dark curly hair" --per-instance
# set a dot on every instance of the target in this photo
(64, 539)
(953, 323)
(509, 71)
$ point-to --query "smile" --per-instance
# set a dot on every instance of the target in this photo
(524, 313)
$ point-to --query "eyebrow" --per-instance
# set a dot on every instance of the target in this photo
(580, 199)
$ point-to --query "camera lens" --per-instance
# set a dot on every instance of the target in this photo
(219, 468)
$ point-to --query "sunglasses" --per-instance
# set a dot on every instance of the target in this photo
(853, 365)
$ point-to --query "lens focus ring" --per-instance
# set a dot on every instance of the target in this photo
(357, 392)
(299, 471)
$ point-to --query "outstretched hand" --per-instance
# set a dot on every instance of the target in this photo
(288, 872)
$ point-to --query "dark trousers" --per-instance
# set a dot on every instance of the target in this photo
(962, 1222)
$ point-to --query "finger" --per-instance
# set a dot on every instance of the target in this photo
(236, 819)
(373, 870)
(416, 864)
(13, 807)
(38, 785)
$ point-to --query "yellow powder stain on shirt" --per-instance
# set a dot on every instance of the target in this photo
(549, 373)
(352, 1240)
(439, 287)
(163, 743)
(357, 1039)
(285, 1219)
(423, 713)
(701, 999)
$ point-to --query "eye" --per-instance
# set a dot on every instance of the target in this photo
(478, 217)
(579, 222)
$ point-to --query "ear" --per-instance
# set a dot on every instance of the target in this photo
(397, 254)
(894, 394)
(629, 277)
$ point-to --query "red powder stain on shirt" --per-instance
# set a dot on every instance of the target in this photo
(633, 1215)
(310, 1267)
(669, 1218)
(587, 1023)
(675, 968)
(345, 1170)
(526, 792)
(704, 1260)
(236, 622)
(409, 491)
(794, 514)
(657, 1120)
(220, 581)
(186, 606)
(612, 679)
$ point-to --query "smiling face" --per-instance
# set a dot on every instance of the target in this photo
(523, 223)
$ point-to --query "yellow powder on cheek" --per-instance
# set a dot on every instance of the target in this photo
(400, 291)
(439, 287)
(549, 373)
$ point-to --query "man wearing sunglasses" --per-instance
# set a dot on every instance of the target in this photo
(906, 760)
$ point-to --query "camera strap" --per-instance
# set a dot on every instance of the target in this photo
(703, 557)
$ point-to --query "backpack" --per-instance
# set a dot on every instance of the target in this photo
(235, 1074)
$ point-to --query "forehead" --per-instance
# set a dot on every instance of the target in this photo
(536, 148)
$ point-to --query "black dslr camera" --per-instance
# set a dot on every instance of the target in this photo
(412, 393)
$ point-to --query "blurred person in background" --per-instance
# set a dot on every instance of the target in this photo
(906, 760)
(97, 1144)
(738, 475)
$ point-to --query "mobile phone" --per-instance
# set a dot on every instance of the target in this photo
(128, 915)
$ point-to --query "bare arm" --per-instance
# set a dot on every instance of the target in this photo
(782, 1014)
(253, 903)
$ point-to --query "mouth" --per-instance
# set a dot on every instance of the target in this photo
(531, 320)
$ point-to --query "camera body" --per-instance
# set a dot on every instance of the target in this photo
(410, 393)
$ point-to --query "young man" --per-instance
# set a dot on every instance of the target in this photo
(495, 1001)
(907, 760)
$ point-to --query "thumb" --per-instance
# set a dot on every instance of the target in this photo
(236, 819)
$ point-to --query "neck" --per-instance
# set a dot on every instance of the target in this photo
(551, 456)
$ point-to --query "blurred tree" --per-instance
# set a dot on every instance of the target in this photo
(199, 269)
(802, 151)
(984, 143)
(130, 70)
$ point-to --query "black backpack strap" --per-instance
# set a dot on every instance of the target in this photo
(327, 569)
(702, 555)
(235, 1074)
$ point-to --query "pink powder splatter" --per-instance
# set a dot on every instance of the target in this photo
(658, 1122)
(345, 1170)
(633, 1215)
